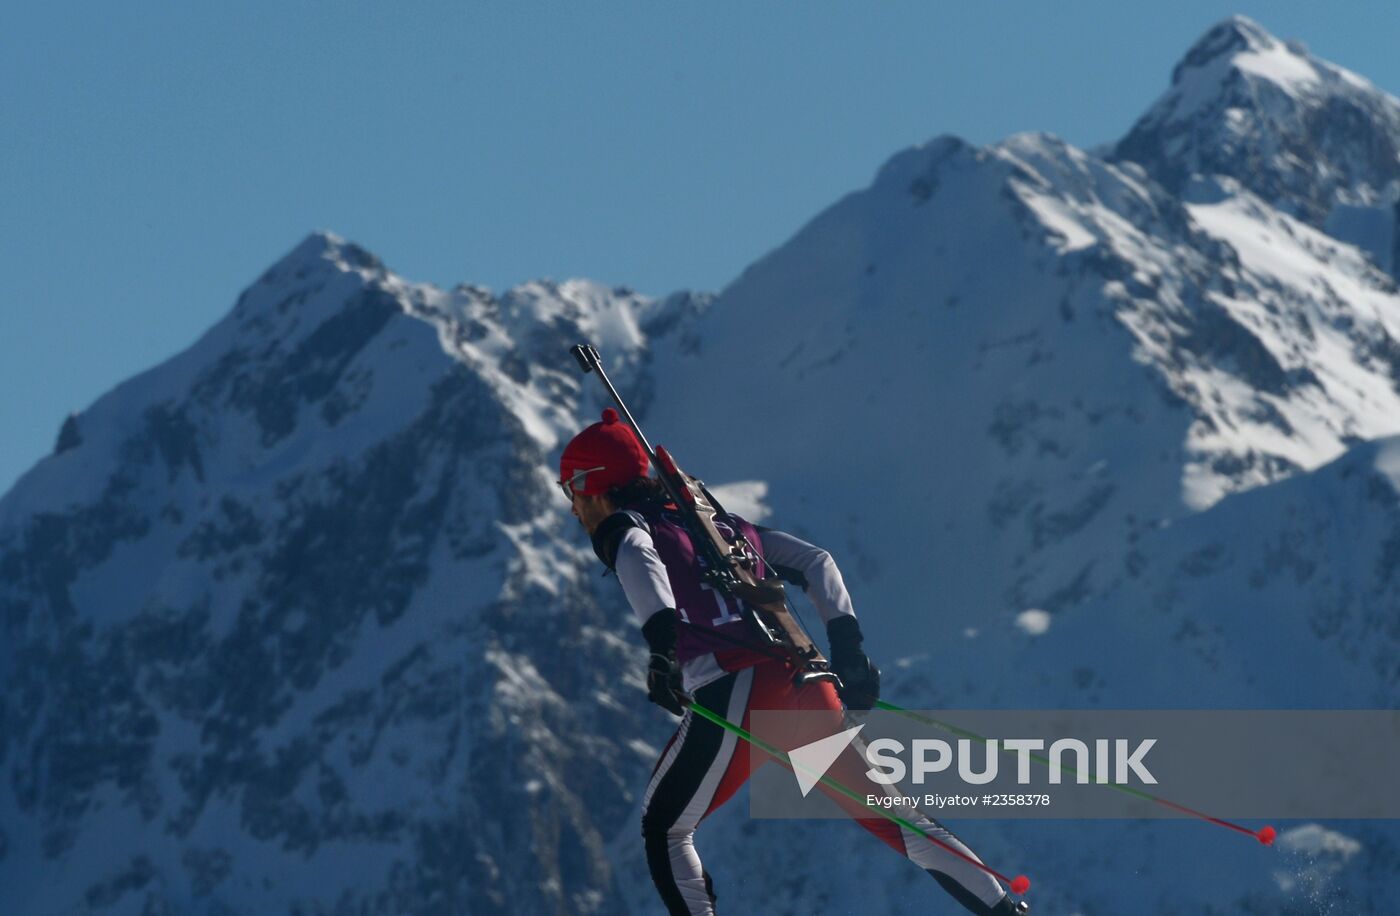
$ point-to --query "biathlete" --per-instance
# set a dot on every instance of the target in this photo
(700, 650)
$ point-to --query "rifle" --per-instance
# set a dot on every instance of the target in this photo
(731, 567)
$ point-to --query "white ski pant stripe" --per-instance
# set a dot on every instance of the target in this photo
(670, 758)
(686, 870)
(929, 855)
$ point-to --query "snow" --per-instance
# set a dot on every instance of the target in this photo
(1279, 65)
(1061, 220)
(1388, 462)
(535, 555)
(744, 498)
(1315, 857)
(1033, 622)
(1288, 262)
(1317, 840)
(1263, 58)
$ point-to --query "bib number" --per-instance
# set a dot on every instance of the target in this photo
(726, 605)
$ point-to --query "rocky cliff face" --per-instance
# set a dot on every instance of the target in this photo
(296, 621)
(302, 590)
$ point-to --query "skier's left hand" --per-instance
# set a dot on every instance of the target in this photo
(664, 681)
(860, 679)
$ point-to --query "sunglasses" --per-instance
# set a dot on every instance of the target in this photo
(578, 478)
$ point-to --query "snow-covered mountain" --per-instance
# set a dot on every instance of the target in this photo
(296, 611)
(1313, 139)
(297, 622)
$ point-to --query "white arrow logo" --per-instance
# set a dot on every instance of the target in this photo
(811, 761)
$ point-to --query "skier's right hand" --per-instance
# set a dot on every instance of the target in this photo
(665, 687)
(664, 684)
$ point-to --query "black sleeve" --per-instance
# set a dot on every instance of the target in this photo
(660, 631)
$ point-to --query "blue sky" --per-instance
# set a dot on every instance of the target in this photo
(155, 158)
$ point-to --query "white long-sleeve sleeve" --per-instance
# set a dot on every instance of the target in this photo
(811, 568)
(648, 589)
(642, 574)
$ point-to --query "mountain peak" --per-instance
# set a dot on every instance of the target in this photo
(1237, 35)
(323, 246)
(1239, 48)
(1302, 133)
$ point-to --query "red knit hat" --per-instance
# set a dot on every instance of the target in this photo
(603, 456)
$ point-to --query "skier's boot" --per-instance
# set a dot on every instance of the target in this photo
(1005, 907)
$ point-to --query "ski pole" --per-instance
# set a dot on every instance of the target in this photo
(1019, 885)
(1264, 835)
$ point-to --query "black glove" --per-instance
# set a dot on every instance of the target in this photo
(860, 679)
(664, 684)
